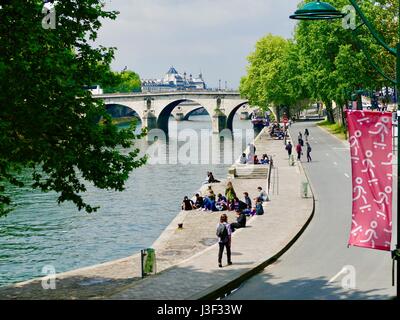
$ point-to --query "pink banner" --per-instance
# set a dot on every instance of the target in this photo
(371, 157)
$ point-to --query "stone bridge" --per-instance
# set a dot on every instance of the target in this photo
(155, 109)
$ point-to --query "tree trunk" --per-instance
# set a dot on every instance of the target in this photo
(329, 112)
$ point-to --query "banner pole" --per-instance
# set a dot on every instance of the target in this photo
(398, 153)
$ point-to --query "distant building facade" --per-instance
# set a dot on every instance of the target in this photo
(174, 81)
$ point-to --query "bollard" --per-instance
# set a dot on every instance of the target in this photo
(304, 189)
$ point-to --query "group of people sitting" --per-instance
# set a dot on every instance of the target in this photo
(227, 202)
(277, 131)
(252, 158)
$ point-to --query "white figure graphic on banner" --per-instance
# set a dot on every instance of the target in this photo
(358, 229)
(359, 193)
(370, 234)
(383, 131)
(389, 164)
(354, 144)
(383, 201)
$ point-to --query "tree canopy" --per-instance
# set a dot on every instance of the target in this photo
(324, 62)
(125, 82)
(48, 121)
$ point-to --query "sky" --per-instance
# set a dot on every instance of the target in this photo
(214, 37)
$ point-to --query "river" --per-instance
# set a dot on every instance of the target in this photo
(40, 233)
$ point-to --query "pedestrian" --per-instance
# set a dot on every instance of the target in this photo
(224, 234)
(309, 152)
(300, 136)
(306, 134)
(299, 151)
(289, 148)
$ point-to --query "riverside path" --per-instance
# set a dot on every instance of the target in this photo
(314, 266)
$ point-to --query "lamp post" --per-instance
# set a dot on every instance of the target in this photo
(319, 10)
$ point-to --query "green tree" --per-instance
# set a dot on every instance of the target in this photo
(274, 76)
(333, 62)
(126, 81)
(48, 122)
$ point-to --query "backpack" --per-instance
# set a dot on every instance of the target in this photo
(222, 232)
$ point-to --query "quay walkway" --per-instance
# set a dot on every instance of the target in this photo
(187, 258)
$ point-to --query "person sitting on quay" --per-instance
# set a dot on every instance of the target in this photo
(211, 178)
(240, 221)
(239, 205)
(222, 203)
(263, 195)
(187, 204)
(255, 160)
(243, 159)
(247, 201)
(209, 200)
(258, 209)
(230, 195)
(199, 202)
(265, 159)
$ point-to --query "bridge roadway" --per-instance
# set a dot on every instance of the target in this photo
(154, 109)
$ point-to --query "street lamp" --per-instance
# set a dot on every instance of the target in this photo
(318, 10)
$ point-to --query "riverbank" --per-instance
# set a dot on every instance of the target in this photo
(194, 244)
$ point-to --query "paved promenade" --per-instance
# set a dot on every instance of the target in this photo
(187, 259)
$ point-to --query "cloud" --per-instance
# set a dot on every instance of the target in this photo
(214, 36)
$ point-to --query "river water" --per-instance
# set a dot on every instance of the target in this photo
(40, 233)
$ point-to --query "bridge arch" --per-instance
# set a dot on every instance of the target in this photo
(166, 111)
(118, 110)
(231, 115)
(187, 116)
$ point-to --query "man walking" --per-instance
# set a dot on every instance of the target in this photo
(309, 152)
(289, 148)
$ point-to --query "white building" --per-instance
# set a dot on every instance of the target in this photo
(174, 81)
